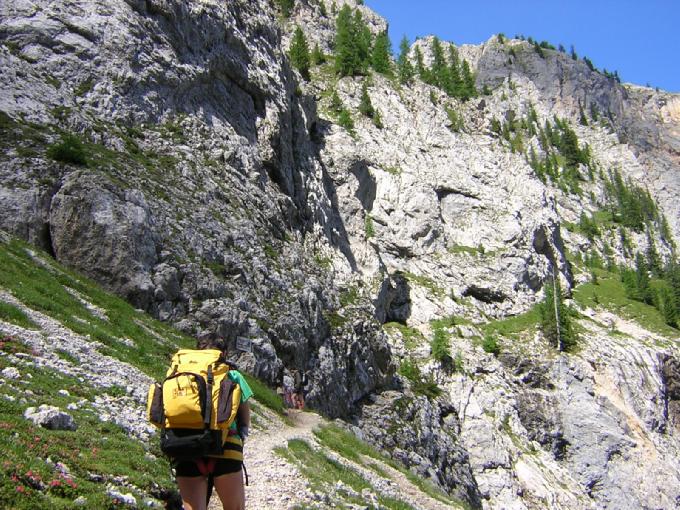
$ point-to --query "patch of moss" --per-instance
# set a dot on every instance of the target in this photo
(411, 336)
(426, 283)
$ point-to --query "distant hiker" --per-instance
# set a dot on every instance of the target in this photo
(300, 380)
(288, 388)
(204, 441)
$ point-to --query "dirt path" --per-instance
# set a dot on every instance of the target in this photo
(274, 484)
(277, 485)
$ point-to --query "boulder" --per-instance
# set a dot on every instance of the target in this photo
(50, 417)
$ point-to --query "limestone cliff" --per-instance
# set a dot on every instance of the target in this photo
(220, 193)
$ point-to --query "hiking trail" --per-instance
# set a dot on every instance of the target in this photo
(275, 484)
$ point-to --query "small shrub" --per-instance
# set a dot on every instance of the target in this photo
(368, 227)
(421, 385)
(440, 346)
(69, 150)
(455, 120)
(457, 365)
(490, 345)
(377, 120)
(345, 120)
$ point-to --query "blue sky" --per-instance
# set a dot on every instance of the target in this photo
(638, 38)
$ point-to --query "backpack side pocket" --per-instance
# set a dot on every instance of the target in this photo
(225, 409)
(154, 405)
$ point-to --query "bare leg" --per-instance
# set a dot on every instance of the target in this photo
(230, 490)
(193, 491)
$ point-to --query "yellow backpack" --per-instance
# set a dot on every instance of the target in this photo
(195, 406)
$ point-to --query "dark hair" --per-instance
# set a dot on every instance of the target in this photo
(212, 343)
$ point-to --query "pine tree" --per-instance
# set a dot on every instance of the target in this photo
(567, 144)
(420, 66)
(455, 79)
(583, 120)
(363, 43)
(317, 57)
(642, 284)
(299, 53)
(439, 71)
(377, 119)
(346, 57)
(496, 126)
(336, 103)
(365, 105)
(652, 256)
(517, 143)
(594, 112)
(672, 277)
(345, 120)
(439, 346)
(352, 43)
(555, 317)
(381, 55)
(404, 66)
(573, 54)
(668, 307)
(468, 82)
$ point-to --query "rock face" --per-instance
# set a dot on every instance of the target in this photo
(220, 194)
(421, 435)
(195, 201)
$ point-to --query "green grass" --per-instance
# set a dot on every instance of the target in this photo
(42, 287)
(66, 356)
(265, 395)
(345, 443)
(351, 447)
(320, 470)
(324, 473)
(446, 322)
(12, 314)
(490, 345)
(514, 327)
(24, 137)
(425, 282)
(349, 296)
(97, 447)
(37, 281)
(610, 294)
(412, 337)
(421, 384)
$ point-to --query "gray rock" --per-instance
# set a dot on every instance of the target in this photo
(123, 499)
(10, 373)
(50, 417)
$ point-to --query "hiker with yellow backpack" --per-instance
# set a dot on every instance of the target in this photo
(202, 410)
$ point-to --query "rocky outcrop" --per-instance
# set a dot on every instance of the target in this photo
(423, 435)
(201, 185)
(220, 194)
(101, 229)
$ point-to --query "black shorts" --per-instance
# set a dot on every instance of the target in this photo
(189, 468)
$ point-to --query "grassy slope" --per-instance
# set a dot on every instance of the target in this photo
(98, 452)
(324, 472)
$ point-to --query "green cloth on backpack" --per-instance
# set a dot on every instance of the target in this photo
(238, 378)
(246, 392)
